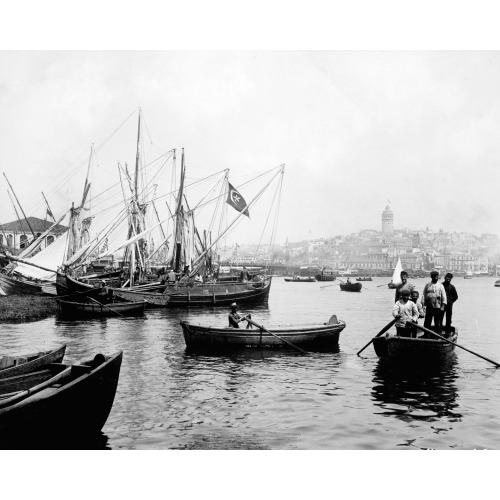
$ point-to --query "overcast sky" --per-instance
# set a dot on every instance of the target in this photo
(354, 128)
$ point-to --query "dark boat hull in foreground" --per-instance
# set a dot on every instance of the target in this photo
(74, 400)
(320, 336)
(80, 310)
(11, 366)
(414, 350)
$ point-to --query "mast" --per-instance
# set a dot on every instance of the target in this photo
(179, 220)
(27, 221)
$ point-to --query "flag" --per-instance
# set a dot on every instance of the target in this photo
(237, 201)
(49, 213)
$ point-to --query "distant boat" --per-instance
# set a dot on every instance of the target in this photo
(351, 287)
(302, 279)
(396, 275)
(497, 283)
(468, 275)
(364, 278)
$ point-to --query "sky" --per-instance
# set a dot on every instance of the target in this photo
(355, 129)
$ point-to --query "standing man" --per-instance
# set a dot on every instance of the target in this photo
(404, 285)
(406, 314)
(244, 275)
(451, 297)
(434, 299)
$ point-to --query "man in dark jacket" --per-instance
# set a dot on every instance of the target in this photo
(451, 297)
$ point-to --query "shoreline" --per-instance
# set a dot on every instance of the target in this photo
(26, 308)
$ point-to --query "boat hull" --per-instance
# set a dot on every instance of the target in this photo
(351, 287)
(220, 294)
(14, 286)
(151, 299)
(201, 337)
(11, 366)
(79, 407)
(80, 310)
(414, 350)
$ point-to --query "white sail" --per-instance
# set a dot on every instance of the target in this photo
(50, 257)
(396, 276)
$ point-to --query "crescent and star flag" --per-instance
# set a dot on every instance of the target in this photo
(237, 201)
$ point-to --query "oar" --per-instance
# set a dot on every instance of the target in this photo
(386, 284)
(274, 335)
(378, 335)
(453, 343)
(101, 304)
(326, 286)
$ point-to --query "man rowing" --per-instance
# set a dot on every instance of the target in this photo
(234, 318)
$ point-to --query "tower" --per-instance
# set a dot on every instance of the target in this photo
(387, 221)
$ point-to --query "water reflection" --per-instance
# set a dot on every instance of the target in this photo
(416, 394)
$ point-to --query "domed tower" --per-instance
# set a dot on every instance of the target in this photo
(387, 221)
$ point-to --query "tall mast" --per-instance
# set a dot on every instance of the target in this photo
(27, 221)
(178, 220)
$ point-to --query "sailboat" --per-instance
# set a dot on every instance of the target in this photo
(396, 275)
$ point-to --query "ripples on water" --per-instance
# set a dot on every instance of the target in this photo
(169, 398)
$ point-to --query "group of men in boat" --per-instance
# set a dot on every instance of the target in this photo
(436, 303)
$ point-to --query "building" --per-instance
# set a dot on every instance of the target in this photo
(387, 222)
(16, 236)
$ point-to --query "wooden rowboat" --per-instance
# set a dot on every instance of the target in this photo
(66, 399)
(151, 298)
(351, 287)
(318, 336)
(11, 366)
(98, 310)
(414, 350)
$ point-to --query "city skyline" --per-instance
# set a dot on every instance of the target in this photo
(354, 128)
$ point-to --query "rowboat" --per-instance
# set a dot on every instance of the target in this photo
(301, 279)
(151, 298)
(351, 287)
(98, 310)
(67, 399)
(11, 366)
(12, 285)
(497, 283)
(411, 350)
(206, 337)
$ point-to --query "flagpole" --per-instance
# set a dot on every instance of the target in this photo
(49, 210)
(197, 261)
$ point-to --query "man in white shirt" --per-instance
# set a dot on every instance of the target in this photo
(406, 313)
(434, 299)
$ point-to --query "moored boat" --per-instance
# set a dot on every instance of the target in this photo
(11, 366)
(318, 336)
(301, 279)
(98, 310)
(497, 283)
(12, 285)
(67, 399)
(151, 298)
(351, 287)
(414, 349)
(364, 278)
(220, 294)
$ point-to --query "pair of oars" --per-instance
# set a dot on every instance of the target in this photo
(431, 332)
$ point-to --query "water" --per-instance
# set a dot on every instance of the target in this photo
(168, 398)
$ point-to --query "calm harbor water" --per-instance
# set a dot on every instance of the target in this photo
(168, 398)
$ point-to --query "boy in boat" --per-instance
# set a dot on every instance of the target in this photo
(406, 313)
(420, 308)
(451, 297)
(234, 318)
(244, 275)
(434, 299)
(404, 285)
